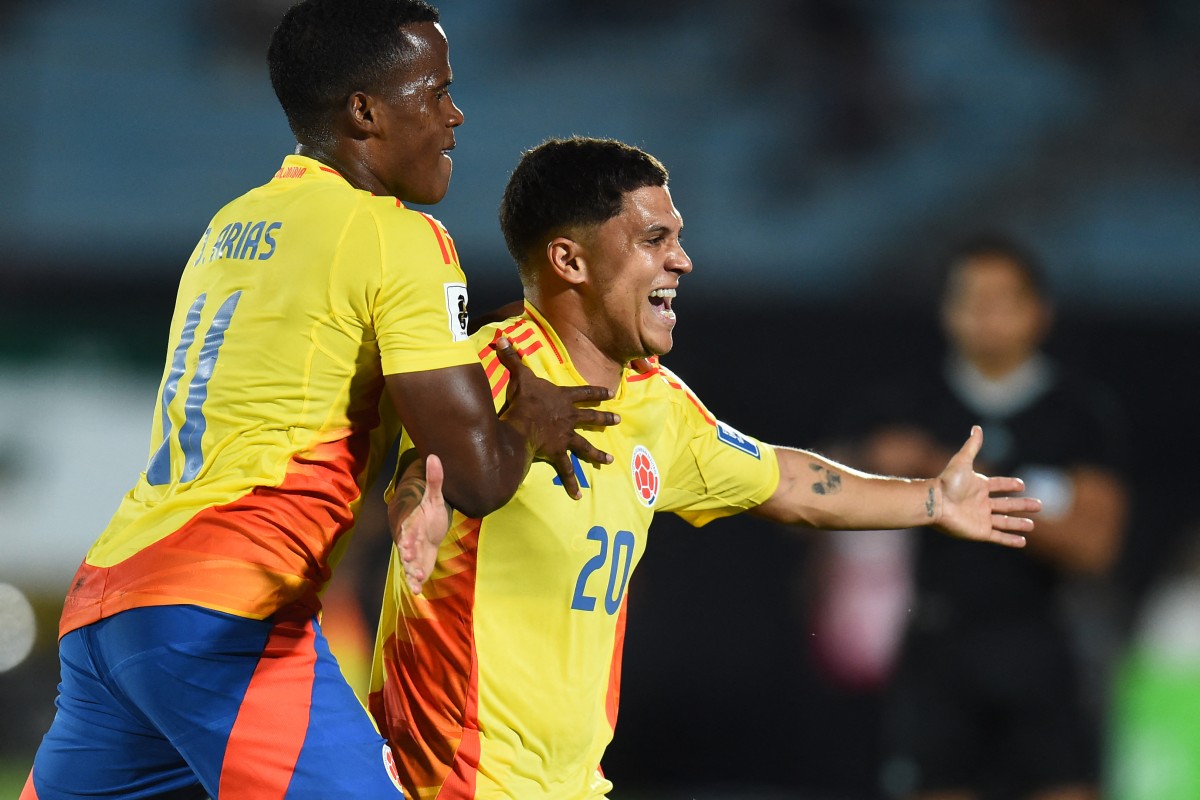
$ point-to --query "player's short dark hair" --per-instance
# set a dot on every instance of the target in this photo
(564, 185)
(1001, 246)
(325, 50)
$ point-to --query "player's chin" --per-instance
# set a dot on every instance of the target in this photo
(658, 345)
(436, 187)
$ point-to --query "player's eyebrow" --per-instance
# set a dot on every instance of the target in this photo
(662, 229)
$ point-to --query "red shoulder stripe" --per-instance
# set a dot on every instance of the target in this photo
(500, 384)
(549, 341)
(488, 348)
(437, 231)
(693, 400)
(641, 376)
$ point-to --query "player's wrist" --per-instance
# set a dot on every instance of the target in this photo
(932, 499)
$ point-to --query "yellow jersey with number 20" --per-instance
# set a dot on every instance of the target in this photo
(501, 680)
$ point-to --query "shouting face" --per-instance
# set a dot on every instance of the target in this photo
(634, 263)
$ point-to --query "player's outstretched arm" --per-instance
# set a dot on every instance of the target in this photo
(418, 517)
(819, 493)
(449, 411)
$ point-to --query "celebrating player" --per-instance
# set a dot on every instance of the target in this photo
(192, 661)
(502, 679)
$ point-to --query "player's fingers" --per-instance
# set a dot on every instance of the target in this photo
(434, 476)
(566, 473)
(1016, 505)
(587, 451)
(587, 394)
(508, 355)
(1005, 522)
(415, 580)
(591, 418)
(970, 448)
(1003, 485)
(415, 572)
(1007, 539)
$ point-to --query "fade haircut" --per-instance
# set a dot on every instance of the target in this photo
(565, 186)
(999, 246)
(325, 50)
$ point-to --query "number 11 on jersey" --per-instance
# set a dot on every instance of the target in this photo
(191, 432)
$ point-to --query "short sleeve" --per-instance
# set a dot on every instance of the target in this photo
(420, 312)
(720, 471)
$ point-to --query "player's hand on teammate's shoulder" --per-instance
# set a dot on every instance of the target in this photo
(969, 505)
(549, 416)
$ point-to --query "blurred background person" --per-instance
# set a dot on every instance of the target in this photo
(990, 697)
(1155, 719)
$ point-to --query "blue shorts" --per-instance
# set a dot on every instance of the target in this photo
(180, 702)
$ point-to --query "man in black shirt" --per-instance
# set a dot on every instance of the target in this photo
(986, 700)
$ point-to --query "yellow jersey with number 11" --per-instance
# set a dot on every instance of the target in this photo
(271, 416)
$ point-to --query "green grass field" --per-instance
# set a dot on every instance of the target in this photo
(12, 777)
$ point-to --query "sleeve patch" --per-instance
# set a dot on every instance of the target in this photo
(456, 309)
(736, 440)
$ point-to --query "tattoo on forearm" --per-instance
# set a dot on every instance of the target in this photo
(929, 504)
(829, 482)
(408, 495)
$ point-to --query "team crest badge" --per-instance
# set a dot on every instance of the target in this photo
(389, 763)
(645, 476)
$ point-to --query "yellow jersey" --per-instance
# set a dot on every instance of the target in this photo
(502, 678)
(272, 415)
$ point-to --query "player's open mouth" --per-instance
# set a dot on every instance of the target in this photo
(661, 299)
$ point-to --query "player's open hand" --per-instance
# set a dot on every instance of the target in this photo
(419, 519)
(969, 507)
(549, 416)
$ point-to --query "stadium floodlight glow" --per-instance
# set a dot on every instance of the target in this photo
(17, 627)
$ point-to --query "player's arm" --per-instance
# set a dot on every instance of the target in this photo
(449, 412)
(816, 492)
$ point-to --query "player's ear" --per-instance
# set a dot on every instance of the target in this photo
(567, 258)
(361, 113)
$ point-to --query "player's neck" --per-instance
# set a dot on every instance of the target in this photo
(348, 165)
(570, 323)
(596, 367)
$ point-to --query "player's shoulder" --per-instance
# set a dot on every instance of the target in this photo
(522, 330)
(653, 377)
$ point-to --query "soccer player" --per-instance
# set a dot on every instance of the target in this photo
(192, 660)
(502, 678)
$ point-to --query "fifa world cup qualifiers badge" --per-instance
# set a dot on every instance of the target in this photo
(645, 476)
(737, 440)
(456, 310)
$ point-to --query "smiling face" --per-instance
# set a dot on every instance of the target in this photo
(634, 262)
(416, 119)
